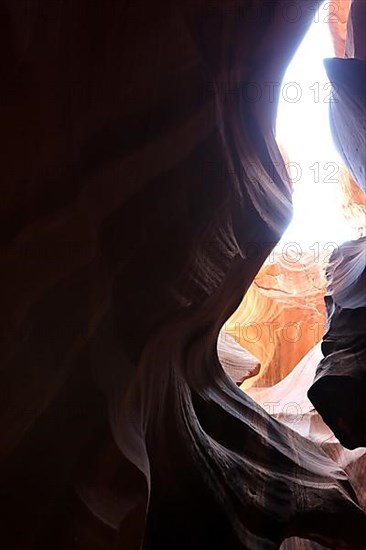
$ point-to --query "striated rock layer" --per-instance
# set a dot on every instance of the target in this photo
(354, 203)
(336, 13)
(282, 315)
(288, 402)
(136, 174)
(237, 362)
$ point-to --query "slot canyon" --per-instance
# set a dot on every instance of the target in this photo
(179, 371)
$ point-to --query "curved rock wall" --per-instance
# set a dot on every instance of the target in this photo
(130, 199)
(337, 17)
(282, 315)
(339, 389)
(354, 203)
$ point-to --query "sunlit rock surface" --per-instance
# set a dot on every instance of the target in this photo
(282, 315)
(235, 360)
(337, 17)
(134, 178)
(354, 203)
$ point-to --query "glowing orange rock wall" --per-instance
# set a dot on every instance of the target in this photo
(283, 315)
(338, 11)
(354, 202)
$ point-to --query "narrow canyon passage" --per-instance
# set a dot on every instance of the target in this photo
(143, 196)
(282, 317)
(271, 345)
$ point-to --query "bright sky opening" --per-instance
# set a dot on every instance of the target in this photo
(304, 131)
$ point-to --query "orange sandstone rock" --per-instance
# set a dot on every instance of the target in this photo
(282, 315)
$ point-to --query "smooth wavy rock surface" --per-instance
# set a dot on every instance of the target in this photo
(339, 389)
(135, 176)
(237, 362)
(282, 316)
(348, 113)
(288, 402)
